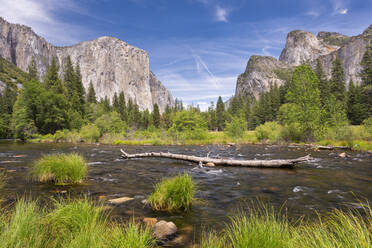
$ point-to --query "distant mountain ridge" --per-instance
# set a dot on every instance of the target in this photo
(109, 63)
(304, 47)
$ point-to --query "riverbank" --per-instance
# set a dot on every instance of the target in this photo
(161, 138)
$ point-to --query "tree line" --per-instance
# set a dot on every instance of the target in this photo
(307, 102)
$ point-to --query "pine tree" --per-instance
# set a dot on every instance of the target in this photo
(167, 118)
(324, 87)
(220, 114)
(156, 116)
(69, 76)
(130, 111)
(91, 97)
(123, 107)
(52, 80)
(337, 84)
(79, 87)
(115, 103)
(106, 104)
(366, 63)
(366, 75)
(32, 69)
(356, 110)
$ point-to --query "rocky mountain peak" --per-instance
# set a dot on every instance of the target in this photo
(112, 65)
(304, 47)
(333, 38)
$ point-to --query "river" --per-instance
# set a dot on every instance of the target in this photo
(327, 182)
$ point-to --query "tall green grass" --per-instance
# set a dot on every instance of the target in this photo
(263, 227)
(173, 194)
(69, 224)
(61, 169)
(23, 227)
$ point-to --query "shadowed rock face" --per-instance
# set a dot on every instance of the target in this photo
(110, 64)
(304, 47)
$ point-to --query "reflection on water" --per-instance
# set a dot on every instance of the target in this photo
(327, 182)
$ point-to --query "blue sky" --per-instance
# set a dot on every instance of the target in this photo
(197, 47)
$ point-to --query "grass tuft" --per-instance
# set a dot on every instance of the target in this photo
(132, 235)
(173, 194)
(61, 169)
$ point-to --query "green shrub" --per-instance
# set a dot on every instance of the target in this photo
(173, 194)
(90, 133)
(189, 125)
(270, 131)
(61, 169)
(367, 123)
(292, 132)
(111, 123)
(236, 127)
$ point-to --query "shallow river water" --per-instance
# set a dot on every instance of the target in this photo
(320, 185)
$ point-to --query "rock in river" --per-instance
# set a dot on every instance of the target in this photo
(164, 230)
(120, 200)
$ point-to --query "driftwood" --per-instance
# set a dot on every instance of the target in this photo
(332, 147)
(275, 163)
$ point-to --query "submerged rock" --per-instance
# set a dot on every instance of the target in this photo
(120, 200)
(164, 230)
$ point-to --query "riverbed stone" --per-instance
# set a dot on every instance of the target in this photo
(150, 221)
(164, 230)
(342, 155)
(210, 164)
(121, 200)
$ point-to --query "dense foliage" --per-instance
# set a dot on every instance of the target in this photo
(307, 107)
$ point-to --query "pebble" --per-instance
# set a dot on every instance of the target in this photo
(150, 221)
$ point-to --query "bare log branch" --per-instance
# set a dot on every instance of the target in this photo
(275, 163)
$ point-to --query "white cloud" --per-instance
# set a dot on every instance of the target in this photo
(313, 13)
(340, 7)
(343, 11)
(221, 14)
(40, 15)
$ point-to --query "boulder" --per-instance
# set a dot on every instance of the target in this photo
(164, 230)
(342, 155)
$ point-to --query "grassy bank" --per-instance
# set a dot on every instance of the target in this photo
(263, 227)
(359, 141)
(70, 223)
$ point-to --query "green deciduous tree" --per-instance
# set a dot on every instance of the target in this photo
(304, 93)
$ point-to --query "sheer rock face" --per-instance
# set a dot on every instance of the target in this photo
(304, 47)
(261, 72)
(110, 64)
(160, 94)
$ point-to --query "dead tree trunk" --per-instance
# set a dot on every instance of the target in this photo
(275, 163)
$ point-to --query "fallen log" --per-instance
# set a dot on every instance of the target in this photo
(275, 163)
(332, 147)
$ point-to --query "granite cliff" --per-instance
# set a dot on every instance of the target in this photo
(304, 47)
(109, 63)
